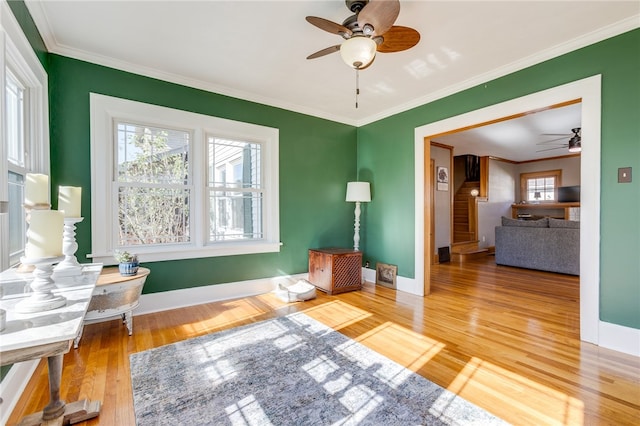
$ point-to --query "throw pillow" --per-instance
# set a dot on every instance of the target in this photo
(540, 223)
(560, 223)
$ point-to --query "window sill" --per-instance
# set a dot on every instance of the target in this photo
(178, 253)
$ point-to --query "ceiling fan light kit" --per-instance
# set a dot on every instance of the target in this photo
(368, 30)
(358, 52)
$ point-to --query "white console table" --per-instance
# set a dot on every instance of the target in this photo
(47, 334)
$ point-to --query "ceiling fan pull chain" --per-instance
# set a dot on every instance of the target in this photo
(357, 86)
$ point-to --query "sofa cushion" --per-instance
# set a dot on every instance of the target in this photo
(560, 223)
(540, 223)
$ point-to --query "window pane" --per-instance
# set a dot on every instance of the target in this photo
(15, 120)
(541, 189)
(235, 215)
(17, 227)
(234, 164)
(152, 155)
(153, 215)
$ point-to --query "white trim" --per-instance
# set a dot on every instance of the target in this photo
(13, 385)
(407, 285)
(589, 89)
(105, 109)
(19, 53)
(620, 338)
(174, 299)
(39, 16)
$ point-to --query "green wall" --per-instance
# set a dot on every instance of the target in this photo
(386, 159)
(317, 158)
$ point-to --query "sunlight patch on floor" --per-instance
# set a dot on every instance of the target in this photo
(519, 398)
(337, 314)
(232, 312)
(404, 346)
(247, 412)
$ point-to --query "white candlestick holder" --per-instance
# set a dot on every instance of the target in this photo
(42, 297)
(28, 208)
(69, 266)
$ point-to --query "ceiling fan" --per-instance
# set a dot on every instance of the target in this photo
(368, 30)
(574, 144)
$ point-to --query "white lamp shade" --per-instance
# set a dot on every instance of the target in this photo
(358, 191)
(358, 52)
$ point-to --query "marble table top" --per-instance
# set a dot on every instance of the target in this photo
(40, 328)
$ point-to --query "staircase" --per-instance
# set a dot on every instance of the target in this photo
(466, 251)
(465, 229)
(464, 215)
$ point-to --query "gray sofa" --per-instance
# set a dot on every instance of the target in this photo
(547, 244)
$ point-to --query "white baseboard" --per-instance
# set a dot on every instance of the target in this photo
(13, 385)
(369, 275)
(166, 300)
(408, 285)
(619, 338)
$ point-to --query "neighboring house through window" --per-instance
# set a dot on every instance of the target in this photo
(170, 184)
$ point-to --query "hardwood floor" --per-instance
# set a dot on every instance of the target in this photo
(504, 338)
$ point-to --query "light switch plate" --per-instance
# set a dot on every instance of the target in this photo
(624, 175)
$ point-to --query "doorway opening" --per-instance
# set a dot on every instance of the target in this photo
(589, 92)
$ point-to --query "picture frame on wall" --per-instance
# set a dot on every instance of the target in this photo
(386, 275)
(442, 178)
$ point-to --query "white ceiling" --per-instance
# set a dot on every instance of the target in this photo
(530, 137)
(256, 50)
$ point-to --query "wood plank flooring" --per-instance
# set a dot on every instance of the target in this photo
(506, 339)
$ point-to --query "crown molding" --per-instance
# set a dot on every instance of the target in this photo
(593, 37)
(39, 16)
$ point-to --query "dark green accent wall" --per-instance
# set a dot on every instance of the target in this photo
(386, 159)
(30, 30)
(317, 158)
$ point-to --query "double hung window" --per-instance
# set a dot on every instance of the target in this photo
(24, 132)
(170, 184)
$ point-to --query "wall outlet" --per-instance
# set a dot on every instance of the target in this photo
(484, 239)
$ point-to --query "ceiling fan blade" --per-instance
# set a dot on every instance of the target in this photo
(556, 134)
(551, 149)
(378, 16)
(324, 52)
(331, 27)
(551, 140)
(398, 39)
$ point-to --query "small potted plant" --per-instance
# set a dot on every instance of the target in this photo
(127, 263)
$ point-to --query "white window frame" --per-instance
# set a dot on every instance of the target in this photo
(106, 109)
(17, 54)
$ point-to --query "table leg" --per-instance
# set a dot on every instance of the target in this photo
(55, 408)
(128, 320)
(57, 412)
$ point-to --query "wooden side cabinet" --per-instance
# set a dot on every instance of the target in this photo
(335, 270)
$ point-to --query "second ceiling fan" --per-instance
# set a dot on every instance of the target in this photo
(369, 30)
(574, 144)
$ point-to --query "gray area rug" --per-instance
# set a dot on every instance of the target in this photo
(290, 370)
